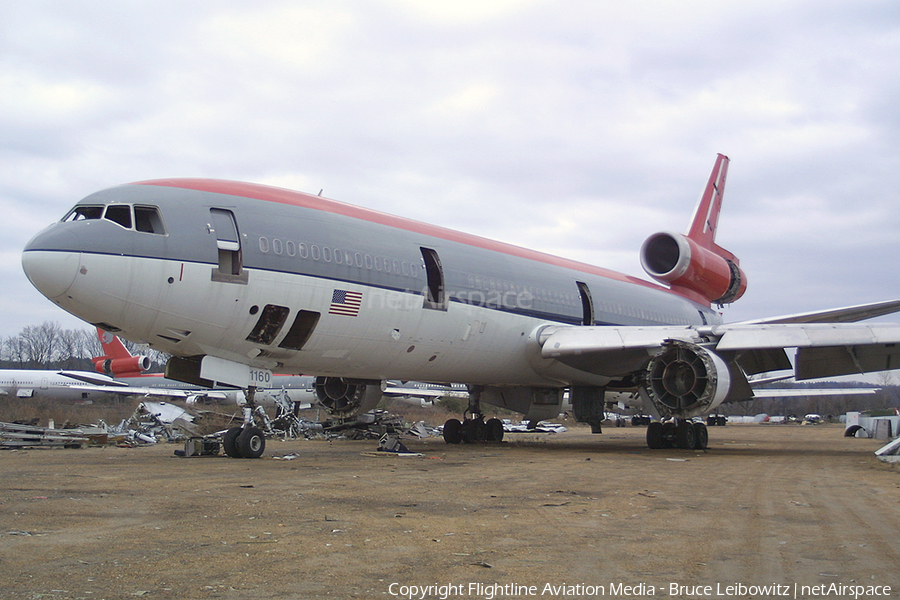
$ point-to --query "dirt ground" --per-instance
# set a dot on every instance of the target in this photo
(587, 515)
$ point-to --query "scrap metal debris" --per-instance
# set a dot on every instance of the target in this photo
(890, 452)
(201, 430)
(16, 435)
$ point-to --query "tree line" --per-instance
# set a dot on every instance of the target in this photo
(49, 346)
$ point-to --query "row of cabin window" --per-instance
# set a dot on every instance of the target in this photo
(338, 256)
(387, 265)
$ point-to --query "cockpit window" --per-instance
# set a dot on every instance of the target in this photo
(119, 213)
(145, 219)
(81, 213)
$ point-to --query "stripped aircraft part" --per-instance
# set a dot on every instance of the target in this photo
(343, 397)
(685, 380)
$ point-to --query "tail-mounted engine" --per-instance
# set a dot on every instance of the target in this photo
(684, 264)
(685, 380)
(344, 397)
(122, 367)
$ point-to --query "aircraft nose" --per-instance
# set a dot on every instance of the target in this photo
(51, 271)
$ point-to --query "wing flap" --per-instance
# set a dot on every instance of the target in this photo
(830, 361)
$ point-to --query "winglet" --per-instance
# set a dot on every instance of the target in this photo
(706, 215)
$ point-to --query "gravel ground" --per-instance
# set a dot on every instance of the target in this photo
(589, 516)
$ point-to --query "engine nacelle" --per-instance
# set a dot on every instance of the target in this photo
(681, 262)
(344, 397)
(685, 380)
(122, 367)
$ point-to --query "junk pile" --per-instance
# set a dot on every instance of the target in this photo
(890, 452)
(18, 435)
(201, 430)
(373, 425)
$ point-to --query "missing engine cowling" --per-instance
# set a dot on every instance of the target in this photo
(343, 397)
(685, 380)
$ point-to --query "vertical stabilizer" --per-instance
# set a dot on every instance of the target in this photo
(706, 215)
(112, 345)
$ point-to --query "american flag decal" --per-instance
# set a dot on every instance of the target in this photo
(344, 302)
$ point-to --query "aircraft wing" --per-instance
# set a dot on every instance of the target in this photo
(93, 378)
(807, 392)
(823, 349)
(432, 393)
(849, 314)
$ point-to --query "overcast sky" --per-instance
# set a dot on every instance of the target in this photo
(576, 128)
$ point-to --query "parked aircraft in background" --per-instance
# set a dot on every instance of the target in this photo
(67, 385)
(236, 280)
(118, 362)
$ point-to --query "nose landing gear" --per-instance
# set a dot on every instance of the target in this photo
(247, 441)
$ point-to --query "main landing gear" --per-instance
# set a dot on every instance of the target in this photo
(473, 428)
(677, 434)
(248, 440)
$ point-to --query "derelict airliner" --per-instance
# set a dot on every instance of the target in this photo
(236, 280)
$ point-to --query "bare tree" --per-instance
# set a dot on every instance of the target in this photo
(14, 350)
(41, 343)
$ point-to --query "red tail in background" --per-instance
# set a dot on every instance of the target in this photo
(117, 360)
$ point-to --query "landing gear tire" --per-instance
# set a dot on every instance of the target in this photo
(686, 435)
(494, 430)
(473, 431)
(251, 443)
(656, 439)
(702, 441)
(453, 431)
(230, 444)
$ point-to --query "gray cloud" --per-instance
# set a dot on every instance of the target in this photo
(578, 129)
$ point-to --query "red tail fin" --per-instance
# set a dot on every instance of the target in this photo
(112, 345)
(706, 215)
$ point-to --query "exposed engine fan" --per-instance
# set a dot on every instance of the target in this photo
(685, 380)
(344, 397)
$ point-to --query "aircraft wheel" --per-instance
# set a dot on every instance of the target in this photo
(229, 442)
(452, 431)
(686, 435)
(251, 443)
(702, 438)
(655, 436)
(473, 431)
(494, 429)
